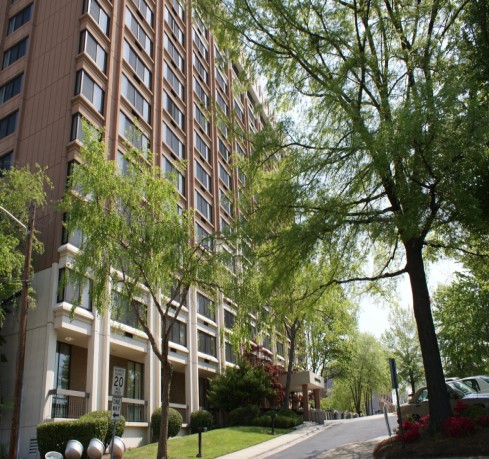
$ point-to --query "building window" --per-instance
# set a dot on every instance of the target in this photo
(90, 45)
(205, 307)
(74, 238)
(136, 99)
(131, 57)
(201, 93)
(225, 202)
(138, 31)
(178, 333)
(146, 11)
(133, 135)
(174, 53)
(175, 176)
(175, 83)
(201, 46)
(207, 343)
(223, 150)
(202, 146)
(172, 108)
(203, 237)
(77, 131)
(238, 110)
(11, 88)
(230, 354)
(62, 367)
(90, 90)
(203, 176)
(17, 21)
(201, 70)
(229, 319)
(178, 8)
(14, 53)
(172, 23)
(222, 103)
(8, 124)
(135, 390)
(173, 142)
(222, 81)
(73, 293)
(98, 14)
(203, 206)
(6, 161)
(122, 311)
(280, 348)
(201, 119)
(224, 176)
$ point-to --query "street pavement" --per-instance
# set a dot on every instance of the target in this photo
(360, 450)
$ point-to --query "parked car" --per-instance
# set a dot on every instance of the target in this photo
(478, 383)
(418, 406)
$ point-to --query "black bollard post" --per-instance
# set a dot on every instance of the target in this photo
(274, 415)
(201, 429)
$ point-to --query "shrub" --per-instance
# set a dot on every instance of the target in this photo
(239, 386)
(54, 436)
(106, 416)
(244, 415)
(411, 430)
(458, 426)
(473, 412)
(286, 422)
(200, 418)
(262, 421)
(174, 423)
(483, 420)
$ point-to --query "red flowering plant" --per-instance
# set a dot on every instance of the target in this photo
(458, 426)
(483, 420)
(412, 429)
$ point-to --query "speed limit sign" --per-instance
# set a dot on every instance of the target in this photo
(118, 382)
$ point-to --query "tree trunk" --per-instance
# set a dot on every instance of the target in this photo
(292, 335)
(438, 397)
(165, 406)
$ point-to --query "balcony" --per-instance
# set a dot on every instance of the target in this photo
(133, 410)
(68, 404)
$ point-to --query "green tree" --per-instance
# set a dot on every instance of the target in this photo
(19, 187)
(402, 343)
(239, 386)
(326, 334)
(367, 373)
(136, 240)
(461, 312)
(388, 111)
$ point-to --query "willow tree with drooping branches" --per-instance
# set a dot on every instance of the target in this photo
(385, 156)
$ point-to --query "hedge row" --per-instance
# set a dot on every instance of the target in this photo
(54, 436)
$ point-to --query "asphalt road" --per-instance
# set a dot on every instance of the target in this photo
(340, 433)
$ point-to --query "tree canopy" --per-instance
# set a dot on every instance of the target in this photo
(138, 242)
(461, 312)
(390, 152)
(401, 342)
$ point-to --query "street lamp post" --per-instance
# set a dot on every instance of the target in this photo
(24, 308)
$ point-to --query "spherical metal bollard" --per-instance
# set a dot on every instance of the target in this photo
(96, 449)
(119, 447)
(74, 450)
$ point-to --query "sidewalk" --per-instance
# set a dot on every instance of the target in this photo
(361, 450)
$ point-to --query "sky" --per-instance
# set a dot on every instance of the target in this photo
(373, 316)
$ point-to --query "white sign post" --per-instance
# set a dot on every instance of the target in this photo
(118, 383)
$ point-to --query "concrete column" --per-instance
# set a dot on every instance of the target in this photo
(305, 403)
(317, 398)
(192, 368)
(95, 343)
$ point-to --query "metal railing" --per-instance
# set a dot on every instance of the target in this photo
(68, 404)
(133, 410)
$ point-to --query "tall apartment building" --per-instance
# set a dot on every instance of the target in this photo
(112, 62)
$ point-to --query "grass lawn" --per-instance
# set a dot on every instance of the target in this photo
(215, 443)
